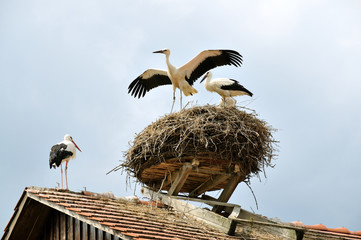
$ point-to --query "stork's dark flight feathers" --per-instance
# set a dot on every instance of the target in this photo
(151, 78)
(183, 77)
(58, 153)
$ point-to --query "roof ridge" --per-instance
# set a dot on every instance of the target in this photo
(321, 227)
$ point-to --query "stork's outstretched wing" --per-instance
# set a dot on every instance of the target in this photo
(151, 78)
(209, 59)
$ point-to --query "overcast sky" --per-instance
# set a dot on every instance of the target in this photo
(65, 67)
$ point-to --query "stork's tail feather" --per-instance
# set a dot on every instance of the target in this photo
(189, 91)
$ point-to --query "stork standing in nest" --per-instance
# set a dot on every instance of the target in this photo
(225, 87)
(183, 77)
(63, 152)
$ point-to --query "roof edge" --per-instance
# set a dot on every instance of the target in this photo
(42, 199)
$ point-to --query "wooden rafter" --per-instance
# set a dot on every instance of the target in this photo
(227, 191)
(180, 179)
(209, 184)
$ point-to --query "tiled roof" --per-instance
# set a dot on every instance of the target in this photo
(139, 220)
(341, 232)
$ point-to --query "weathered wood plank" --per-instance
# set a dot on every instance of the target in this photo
(62, 226)
(57, 226)
(92, 233)
(181, 178)
(77, 229)
(100, 234)
(209, 184)
(170, 178)
(210, 218)
(84, 231)
(51, 227)
(107, 236)
(227, 191)
(70, 227)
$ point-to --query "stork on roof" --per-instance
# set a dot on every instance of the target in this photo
(63, 152)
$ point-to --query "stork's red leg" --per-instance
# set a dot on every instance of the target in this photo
(61, 168)
(66, 174)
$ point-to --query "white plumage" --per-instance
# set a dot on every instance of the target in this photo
(227, 102)
(183, 77)
(225, 87)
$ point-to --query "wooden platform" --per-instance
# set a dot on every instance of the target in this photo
(195, 177)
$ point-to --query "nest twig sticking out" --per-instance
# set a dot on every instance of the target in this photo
(227, 135)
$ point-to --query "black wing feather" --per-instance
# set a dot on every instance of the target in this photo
(236, 87)
(57, 154)
(141, 85)
(227, 57)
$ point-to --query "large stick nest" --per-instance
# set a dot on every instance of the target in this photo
(215, 136)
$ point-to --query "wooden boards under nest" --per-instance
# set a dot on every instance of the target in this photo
(203, 148)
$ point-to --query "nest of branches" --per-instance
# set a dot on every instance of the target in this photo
(213, 135)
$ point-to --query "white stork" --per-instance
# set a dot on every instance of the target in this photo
(183, 77)
(63, 152)
(225, 87)
(227, 102)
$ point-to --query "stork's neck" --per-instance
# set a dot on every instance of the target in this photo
(208, 79)
(171, 68)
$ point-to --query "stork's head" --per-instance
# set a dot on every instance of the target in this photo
(207, 75)
(165, 51)
(67, 137)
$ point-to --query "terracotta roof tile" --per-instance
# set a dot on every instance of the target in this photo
(133, 234)
(341, 232)
(32, 191)
(85, 214)
(96, 219)
(52, 199)
(317, 227)
(119, 229)
(65, 204)
(138, 220)
(357, 233)
(108, 224)
(73, 209)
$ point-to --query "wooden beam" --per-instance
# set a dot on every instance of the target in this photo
(212, 219)
(206, 201)
(227, 191)
(170, 178)
(180, 179)
(209, 184)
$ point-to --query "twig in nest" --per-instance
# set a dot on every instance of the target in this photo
(227, 136)
(254, 196)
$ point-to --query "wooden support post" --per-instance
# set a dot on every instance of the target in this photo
(227, 191)
(169, 179)
(209, 184)
(180, 179)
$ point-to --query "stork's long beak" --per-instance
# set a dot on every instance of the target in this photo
(76, 145)
(205, 76)
(160, 51)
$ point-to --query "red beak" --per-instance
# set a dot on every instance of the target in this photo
(76, 145)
